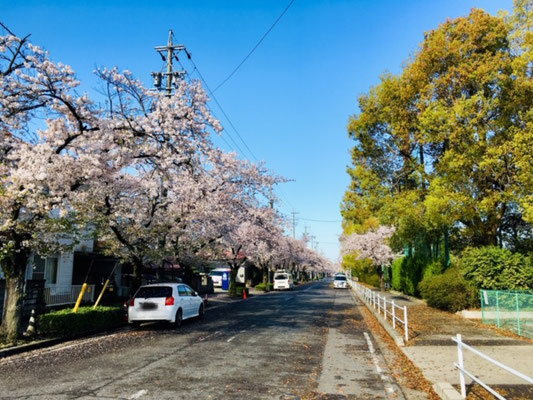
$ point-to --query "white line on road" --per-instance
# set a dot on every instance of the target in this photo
(139, 394)
(233, 337)
(384, 378)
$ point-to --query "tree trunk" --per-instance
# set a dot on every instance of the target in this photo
(232, 277)
(15, 270)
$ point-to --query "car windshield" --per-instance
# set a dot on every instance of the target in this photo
(340, 278)
(146, 292)
(217, 273)
(281, 276)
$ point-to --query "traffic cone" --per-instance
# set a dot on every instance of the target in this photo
(31, 326)
(205, 299)
(244, 296)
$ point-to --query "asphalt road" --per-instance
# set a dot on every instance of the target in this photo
(309, 343)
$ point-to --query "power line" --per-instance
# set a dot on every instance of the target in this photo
(222, 109)
(255, 47)
(321, 220)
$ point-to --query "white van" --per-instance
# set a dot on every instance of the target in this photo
(283, 280)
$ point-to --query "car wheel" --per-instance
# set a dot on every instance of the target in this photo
(201, 311)
(179, 318)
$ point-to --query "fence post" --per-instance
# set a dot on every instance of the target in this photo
(379, 306)
(461, 365)
(517, 314)
(393, 316)
(385, 307)
(498, 309)
(405, 323)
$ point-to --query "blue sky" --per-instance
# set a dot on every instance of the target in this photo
(290, 101)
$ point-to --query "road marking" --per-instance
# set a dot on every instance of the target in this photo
(139, 394)
(385, 378)
(208, 336)
(233, 337)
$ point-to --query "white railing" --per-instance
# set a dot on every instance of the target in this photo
(383, 306)
(55, 296)
(462, 371)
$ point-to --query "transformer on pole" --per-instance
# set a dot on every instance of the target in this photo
(169, 53)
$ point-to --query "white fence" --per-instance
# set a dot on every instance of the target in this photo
(462, 371)
(388, 308)
(55, 296)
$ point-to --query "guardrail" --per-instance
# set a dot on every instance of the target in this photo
(394, 311)
(462, 371)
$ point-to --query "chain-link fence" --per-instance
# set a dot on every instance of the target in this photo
(512, 310)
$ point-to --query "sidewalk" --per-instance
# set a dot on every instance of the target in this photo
(431, 349)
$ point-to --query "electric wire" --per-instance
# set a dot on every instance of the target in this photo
(222, 110)
(255, 47)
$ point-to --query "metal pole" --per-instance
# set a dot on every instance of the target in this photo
(406, 328)
(169, 63)
(461, 366)
(517, 313)
(498, 309)
(385, 307)
(393, 316)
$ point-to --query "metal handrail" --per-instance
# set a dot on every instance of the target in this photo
(462, 371)
(380, 303)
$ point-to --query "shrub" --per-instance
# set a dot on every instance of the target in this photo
(265, 287)
(362, 269)
(87, 319)
(495, 268)
(449, 291)
(407, 274)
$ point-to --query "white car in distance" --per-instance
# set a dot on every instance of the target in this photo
(283, 280)
(171, 302)
(340, 282)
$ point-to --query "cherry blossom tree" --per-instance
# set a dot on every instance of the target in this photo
(40, 169)
(372, 245)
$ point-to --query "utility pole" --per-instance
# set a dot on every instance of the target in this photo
(294, 224)
(169, 53)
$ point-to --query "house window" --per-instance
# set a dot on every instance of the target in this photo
(39, 265)
(45, 268)
(51, 270)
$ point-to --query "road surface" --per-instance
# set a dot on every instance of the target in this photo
(309, 343)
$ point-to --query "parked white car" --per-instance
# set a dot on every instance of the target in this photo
(283, 280)
(172, 302)
(340, 282)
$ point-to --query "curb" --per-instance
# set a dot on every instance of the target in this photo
(398, 339)
(446, 391)
(41, 344)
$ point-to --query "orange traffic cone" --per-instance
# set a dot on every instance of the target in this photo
(205, 299)
(244, 295)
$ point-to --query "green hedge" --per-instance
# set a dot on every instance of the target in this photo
(449, 291)
(265, 287)
(407, 273)
(495, 268)
(67, 323)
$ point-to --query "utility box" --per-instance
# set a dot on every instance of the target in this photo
(225, 280)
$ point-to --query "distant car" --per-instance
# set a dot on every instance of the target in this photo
(283, 280)
(340, 282)
(171, 302)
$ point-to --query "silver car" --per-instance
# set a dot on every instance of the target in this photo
(171, 302)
